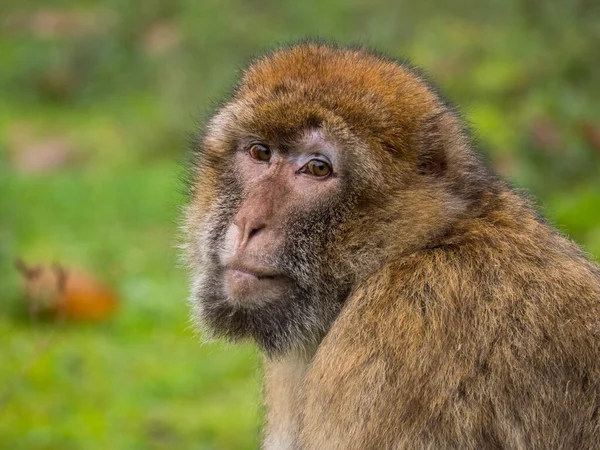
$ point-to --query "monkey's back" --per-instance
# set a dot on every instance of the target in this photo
(490, 340)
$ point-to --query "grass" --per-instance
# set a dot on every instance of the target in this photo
(522, 73)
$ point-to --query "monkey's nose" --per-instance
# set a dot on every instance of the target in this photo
(247, 229)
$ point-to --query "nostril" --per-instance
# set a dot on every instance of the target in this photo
(253, 232)
(247, 230)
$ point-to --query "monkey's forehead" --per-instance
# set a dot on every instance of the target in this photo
(309, 85)
(320, 65)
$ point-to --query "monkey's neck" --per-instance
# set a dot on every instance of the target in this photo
(501, 211)
(284, 379)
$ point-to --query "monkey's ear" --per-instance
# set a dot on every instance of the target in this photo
(435, 137)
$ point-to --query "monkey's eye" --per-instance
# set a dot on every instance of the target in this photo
(318, 168)
(260, 152)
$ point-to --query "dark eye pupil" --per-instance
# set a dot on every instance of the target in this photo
(260, 152)
(264, 154)
(319, 168)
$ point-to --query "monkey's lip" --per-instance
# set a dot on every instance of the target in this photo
(243, 271)
(250, 286)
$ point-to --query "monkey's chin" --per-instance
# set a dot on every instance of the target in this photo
(248, 290)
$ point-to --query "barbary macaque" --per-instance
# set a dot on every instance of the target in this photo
(403, 295)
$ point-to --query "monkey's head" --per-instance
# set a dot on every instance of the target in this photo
(324, 164)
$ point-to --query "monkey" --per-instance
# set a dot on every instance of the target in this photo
(403, 295)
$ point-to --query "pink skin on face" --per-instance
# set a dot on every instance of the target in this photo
(271, 188)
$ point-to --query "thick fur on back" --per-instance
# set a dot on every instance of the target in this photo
(467, 322)
(491, 340)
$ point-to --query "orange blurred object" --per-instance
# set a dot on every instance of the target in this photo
(66, 293)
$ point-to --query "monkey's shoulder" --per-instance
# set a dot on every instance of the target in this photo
(452, 341)
(494, 271)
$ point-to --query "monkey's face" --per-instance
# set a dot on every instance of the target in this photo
(304, 181)
(266, 249)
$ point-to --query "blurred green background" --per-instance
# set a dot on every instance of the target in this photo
(96, 100)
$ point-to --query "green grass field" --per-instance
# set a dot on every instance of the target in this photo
(115, 87)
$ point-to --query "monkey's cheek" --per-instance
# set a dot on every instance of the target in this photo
(248, 291)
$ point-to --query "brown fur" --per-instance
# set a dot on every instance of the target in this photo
(469, 323)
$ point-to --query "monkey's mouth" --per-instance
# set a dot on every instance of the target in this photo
(249, 286)
(242, 274)
(241, 270)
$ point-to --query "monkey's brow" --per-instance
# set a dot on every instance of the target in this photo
(283, 141)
